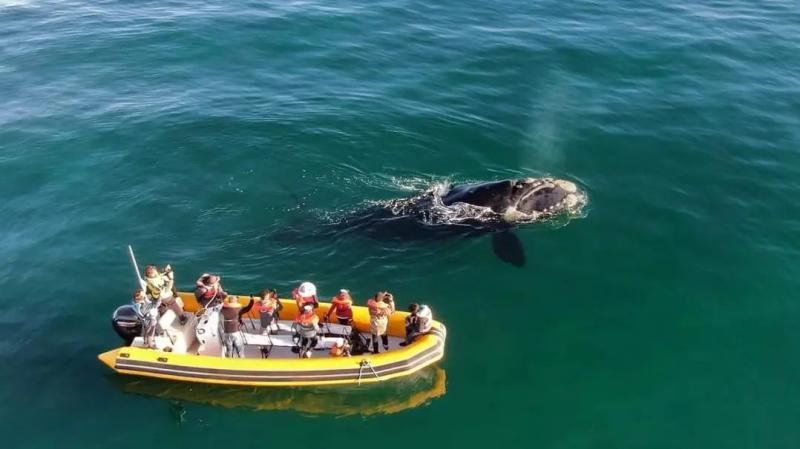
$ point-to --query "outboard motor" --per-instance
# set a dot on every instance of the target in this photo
(127, 323)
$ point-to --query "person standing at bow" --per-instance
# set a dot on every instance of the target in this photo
(160, 285)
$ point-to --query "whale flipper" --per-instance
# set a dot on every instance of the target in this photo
(508, 248)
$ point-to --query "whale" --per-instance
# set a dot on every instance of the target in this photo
(494, 207)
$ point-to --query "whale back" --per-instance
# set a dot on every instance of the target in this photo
(495, 195)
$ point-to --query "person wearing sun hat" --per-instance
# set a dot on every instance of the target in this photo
(306, 293)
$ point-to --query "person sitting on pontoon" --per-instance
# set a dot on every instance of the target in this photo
(419, 322)
(160, 286)
(307, 323)
(341, 304)
(306, 293)
(208, 289)
(232, 338)
(269, 309)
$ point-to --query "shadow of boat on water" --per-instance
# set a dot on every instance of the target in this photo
(388, 397)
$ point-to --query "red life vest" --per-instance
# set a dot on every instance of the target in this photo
(210, 291)
(343, 307)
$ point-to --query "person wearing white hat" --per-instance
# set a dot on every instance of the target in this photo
(306, 293)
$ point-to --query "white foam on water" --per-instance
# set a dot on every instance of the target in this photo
(428, 205)
(15, 3)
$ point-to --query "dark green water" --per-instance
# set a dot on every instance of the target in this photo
(199, 131)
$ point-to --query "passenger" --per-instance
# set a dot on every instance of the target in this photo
(425, 315)
(306, 293)
(232, 338)
(412, 321)
(419, 322)
(380, 307)
(209, 289)
(160, 288)
(148, 313)
(307, 322)
(342, 304)
(269, 309)
(340, 348)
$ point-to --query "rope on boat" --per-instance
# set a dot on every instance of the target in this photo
(364, 363)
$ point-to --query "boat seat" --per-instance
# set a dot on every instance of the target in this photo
(286, 340)
(328, 328)
(176, 336)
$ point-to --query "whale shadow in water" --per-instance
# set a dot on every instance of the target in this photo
(472, 210)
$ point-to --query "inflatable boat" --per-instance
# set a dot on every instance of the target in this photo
(193, 351)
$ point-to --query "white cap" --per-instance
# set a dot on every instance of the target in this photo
(424, 311)
(307, 289)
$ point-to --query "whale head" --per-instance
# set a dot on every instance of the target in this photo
(544, 197)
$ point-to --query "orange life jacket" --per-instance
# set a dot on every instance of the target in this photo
(267, 305)
(307, 318)
(343, 307)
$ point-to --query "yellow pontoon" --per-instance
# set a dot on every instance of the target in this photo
(193, 351)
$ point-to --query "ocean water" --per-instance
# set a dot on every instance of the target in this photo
(201, 131)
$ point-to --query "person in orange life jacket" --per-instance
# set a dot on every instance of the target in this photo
(306, 293)
(232, 312)
(160, 287)
(208, 289)
(380, 307)
(269, 308)
(307, 322)
(342, 304)
(419, 322)
(340, 348)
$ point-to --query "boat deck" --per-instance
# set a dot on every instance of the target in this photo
(280, 343)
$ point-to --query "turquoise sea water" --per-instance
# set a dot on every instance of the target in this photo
(201, 131)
